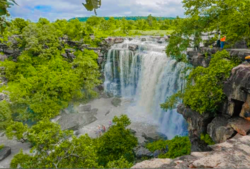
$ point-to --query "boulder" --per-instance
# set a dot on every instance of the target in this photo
(219, 130)
(197, 59)
(245, 111)
(74, 121)
(198, 145)
(197, 123)
(151, 137)
(234, 153)
(116, 102)
(133, 47)
(143, 39)
(154, 163)
(240, 125)
(119, 40)
(141, 152)
(83, 108)
(4, 153)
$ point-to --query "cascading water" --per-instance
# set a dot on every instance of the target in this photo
(146, 76)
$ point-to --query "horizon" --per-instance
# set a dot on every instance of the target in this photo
(63, 9)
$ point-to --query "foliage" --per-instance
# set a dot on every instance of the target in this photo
(54, 148)
(5, 114)
(207, 139)
(41, 82)
(205, 85)
(4, 5)
(172, 101)
(1, 147)
(121, 163)
(177, 147)
(117, 142)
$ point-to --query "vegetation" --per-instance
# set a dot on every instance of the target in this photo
(205, 85)
(176, 147)
(1, 147)
(207, 139)
(54, 148)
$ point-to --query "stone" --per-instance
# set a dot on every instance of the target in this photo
(5, 152)
(133, 47)
(116, 102)
(94, 111)
(150, 137)
(74, 121)
(197, 124)
(119, 40)
(141, 152)
(84, 108)
(245, 111)
(234, 153)
(240, 125)
(143, 39)
(154, 163)
(219, 130)
(2, 96)
(64, 55)
(3, 57)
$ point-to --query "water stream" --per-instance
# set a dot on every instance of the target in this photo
(147, 77)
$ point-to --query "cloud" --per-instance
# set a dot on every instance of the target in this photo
(66, 9)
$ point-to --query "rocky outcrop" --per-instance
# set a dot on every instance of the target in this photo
(234, 153)
(5, 152)
(219, 130)
(197, 124)
(203, 56)
(237, 90)
(141, 152)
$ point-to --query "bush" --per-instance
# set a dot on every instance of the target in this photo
(177, 147)
(207, 139)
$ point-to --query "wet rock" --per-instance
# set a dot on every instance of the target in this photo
(143, 39)
(94, 111)
(116, 102)
(219, 130)
(4, 153)
(74, 121)
(141, 152)
(119, 40)
(133, 47)
(150, 137)
(240, 125)
(84, 108)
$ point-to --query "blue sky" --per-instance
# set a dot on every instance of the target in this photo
(66, 9)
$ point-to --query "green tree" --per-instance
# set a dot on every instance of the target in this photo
(53, 148)
(117, 142)
(4, 5)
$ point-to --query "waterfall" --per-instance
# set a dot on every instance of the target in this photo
(146, 76)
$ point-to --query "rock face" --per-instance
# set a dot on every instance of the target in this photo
(219, 130)
(197, 124)
(237, 90)
(234, 153)
(5, 152)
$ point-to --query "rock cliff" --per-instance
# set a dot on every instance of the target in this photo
(234, 153)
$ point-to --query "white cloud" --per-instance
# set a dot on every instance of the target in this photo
(66, 9)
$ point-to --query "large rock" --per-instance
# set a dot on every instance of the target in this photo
(141, 152)
(133, 47)
(74, 121)
(4, 152)
(219, 130)
(116, 102)
(240, 125)
(234, 153)
(197, 59)
(119, 40)
(237, 89)
(197, 124)
(154, 163)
